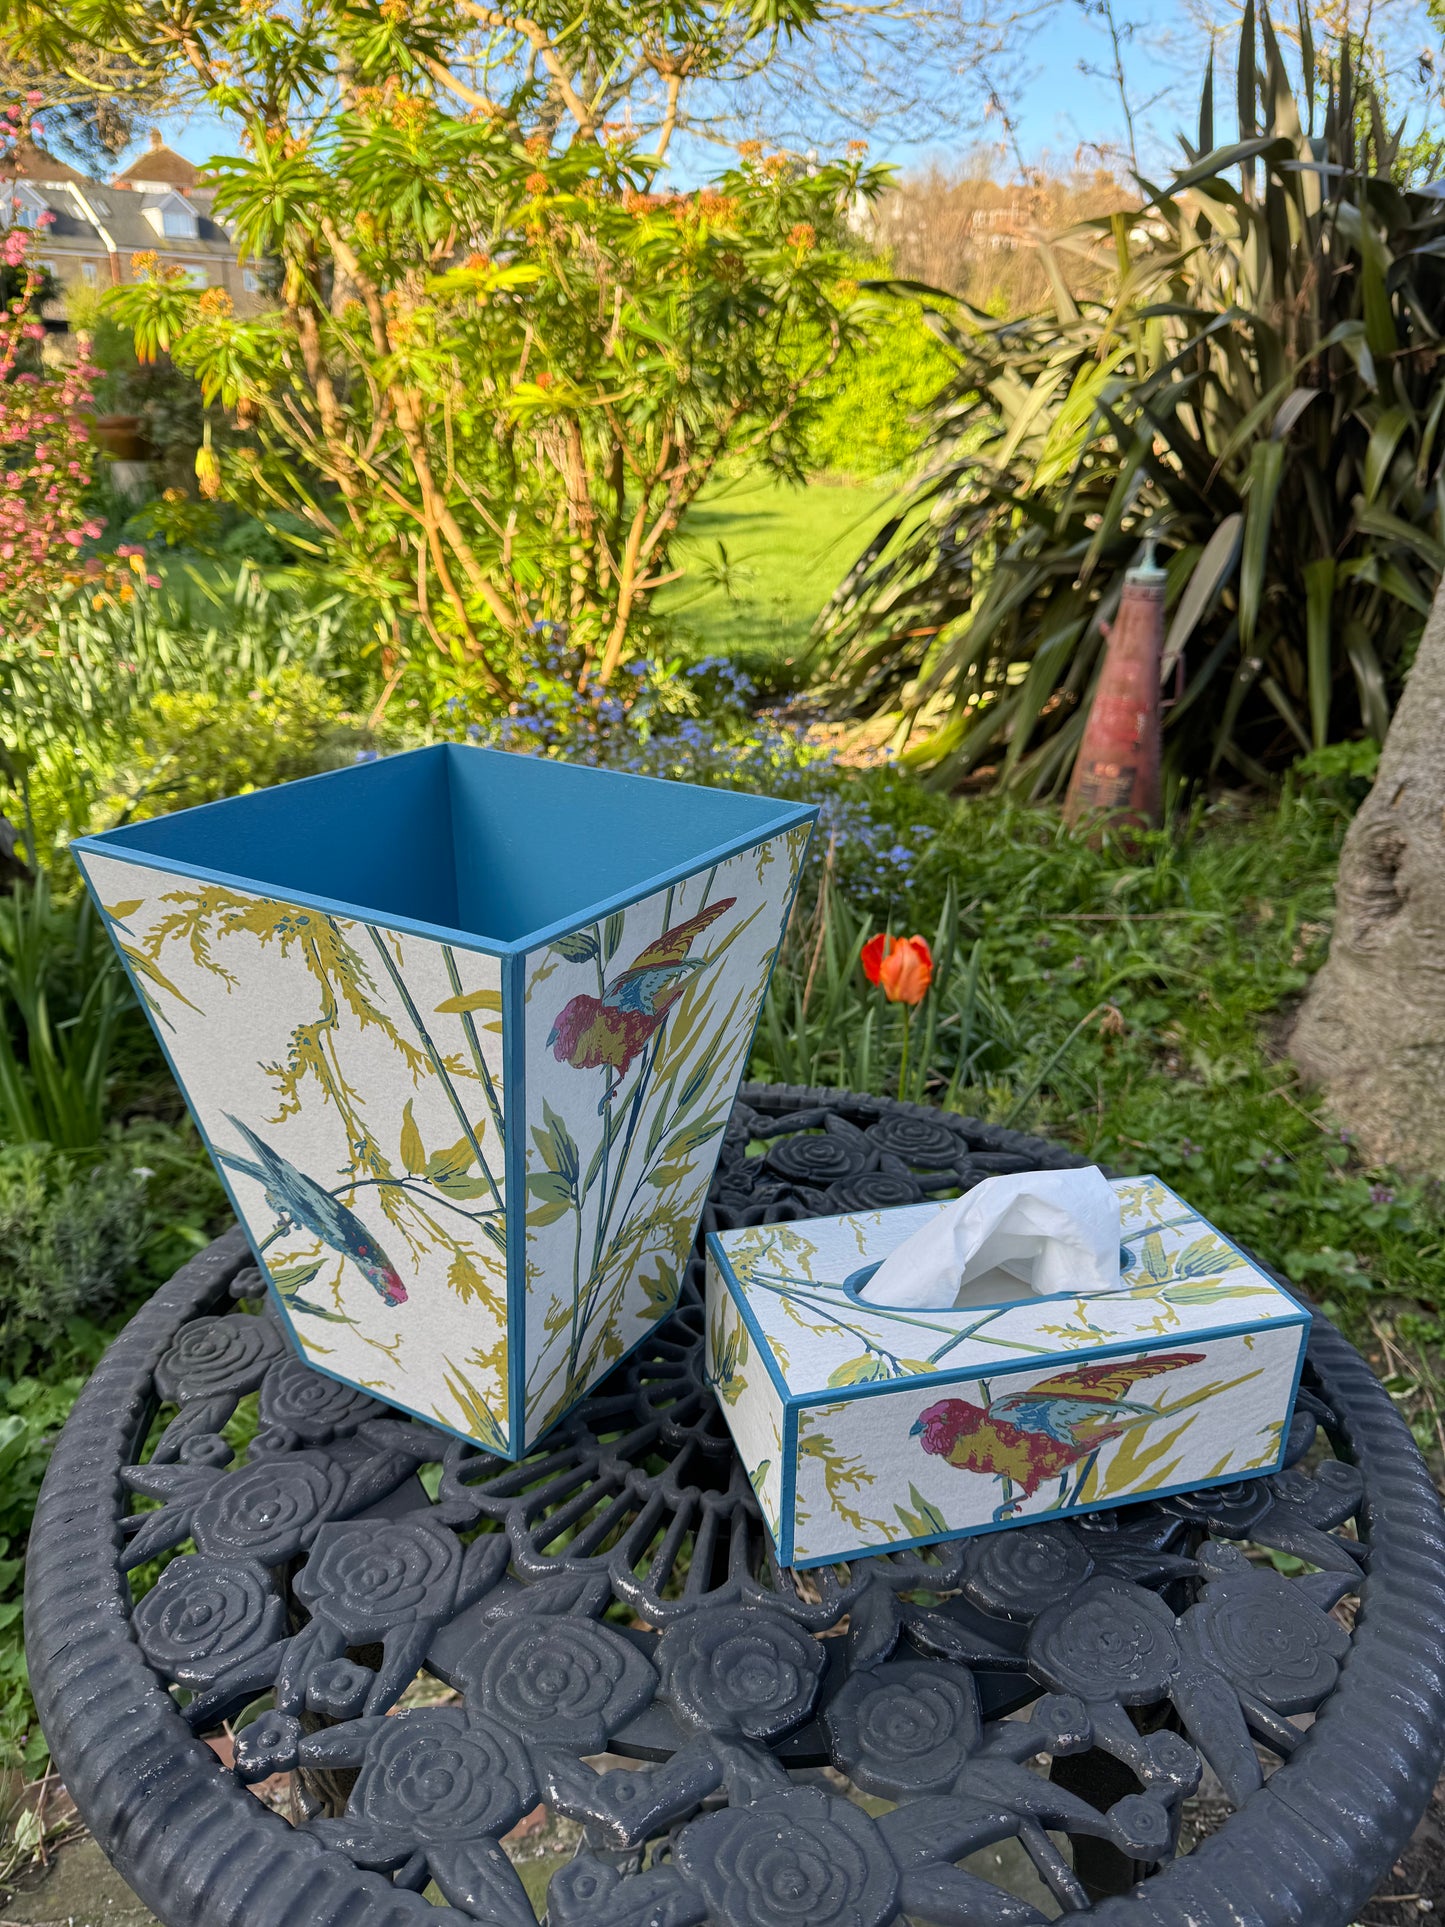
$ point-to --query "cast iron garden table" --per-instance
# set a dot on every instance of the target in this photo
(818, 1750)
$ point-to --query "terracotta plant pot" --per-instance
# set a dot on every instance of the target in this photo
(121, 437)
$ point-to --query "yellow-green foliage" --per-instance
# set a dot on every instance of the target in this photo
(867, 421)
(196, 745)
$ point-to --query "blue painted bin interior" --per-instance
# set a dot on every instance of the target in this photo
(495, 846)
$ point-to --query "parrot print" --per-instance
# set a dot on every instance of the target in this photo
(609, 1031)
(1029, 1437)
(297, 1199)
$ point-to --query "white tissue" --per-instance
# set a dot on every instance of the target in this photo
(1012, 1237)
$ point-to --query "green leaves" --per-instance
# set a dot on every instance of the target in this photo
(578, 946)
(554, 1187)
(1260, 389)
(921, 1519)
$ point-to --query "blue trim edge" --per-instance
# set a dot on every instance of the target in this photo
(792, 815)
(514, 1166)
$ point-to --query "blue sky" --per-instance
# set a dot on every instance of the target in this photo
(1061, 111)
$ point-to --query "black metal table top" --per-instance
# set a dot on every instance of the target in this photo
(603, 1628)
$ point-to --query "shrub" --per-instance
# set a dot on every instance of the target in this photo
(869, 418)
(179, 693)
(1262, 393)
(72, 1232)
(193, 746)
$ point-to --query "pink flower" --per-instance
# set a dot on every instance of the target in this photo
(34, 98)
(33, 331)
(47, 219)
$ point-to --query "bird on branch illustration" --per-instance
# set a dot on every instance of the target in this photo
(1028, 1437)
(297, 1199)
(609, 1031)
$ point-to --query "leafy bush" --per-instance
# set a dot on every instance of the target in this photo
(174, 694)
(869, 414)
(83, 1234)
(1263, 392)
(71, 1234)
(194, 746)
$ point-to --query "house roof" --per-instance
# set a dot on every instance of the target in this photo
(122, 213)
(30, 162)
(161, 166)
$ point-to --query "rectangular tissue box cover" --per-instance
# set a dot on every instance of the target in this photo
(461, 1031)
(864, 1427)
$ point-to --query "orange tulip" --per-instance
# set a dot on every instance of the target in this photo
(901, 966)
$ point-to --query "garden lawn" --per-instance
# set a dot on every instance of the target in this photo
(761, 558)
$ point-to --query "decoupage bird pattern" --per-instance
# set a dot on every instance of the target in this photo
(350, 1080)
(864, 1426)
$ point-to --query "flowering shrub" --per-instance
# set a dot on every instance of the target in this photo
(46, 456)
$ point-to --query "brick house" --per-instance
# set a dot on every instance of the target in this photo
(160, 203)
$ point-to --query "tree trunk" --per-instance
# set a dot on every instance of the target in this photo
(1372, 1030)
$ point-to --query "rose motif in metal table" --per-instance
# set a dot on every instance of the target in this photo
(432, 1641)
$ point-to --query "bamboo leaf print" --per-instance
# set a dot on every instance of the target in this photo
(1206, 1257)
(1153, 1256)
(477, 1418)
(120, 911)
(859, 1371)
(557, 1147)
(1205, 1292)
(150, 972)
(612, 934)
(578, 946)
(413, 1152)
(468, 1001)
(462, 1189)
(924, 1521)
(553, 1195)
(451, 1163)
(294, 1277)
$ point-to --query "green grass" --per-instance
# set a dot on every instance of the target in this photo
(761, 558)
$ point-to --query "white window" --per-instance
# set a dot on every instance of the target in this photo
(26, 206)
(173, 218)
(250, 281)
(198, 277)
(90, 273)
